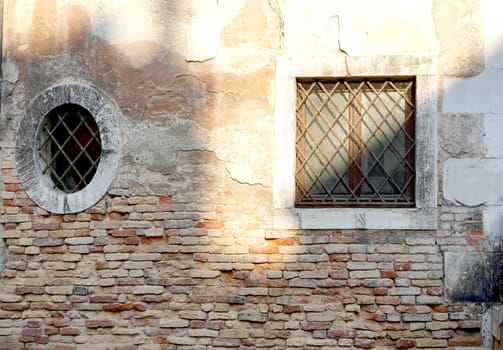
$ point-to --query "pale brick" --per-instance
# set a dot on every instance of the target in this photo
(193, 315)
(361, 265)
(302, 283)
(238, 333)
(146, 257)
(363, 274)
(137, 265)
(63, 290)
(148, 290)
(173, 323)
(434, 326)
(249, 317)
(431, 343)
(203, 333)
(117, 256)
(428, 299)
(336, 249)
(426, 249)
(404, 291)
(321, 316)
(416, 317)
(69, 257)
(253, 291)
(32, 250)
(204, 273)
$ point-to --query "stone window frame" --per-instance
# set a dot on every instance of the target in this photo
(40, 187)
(424, 215)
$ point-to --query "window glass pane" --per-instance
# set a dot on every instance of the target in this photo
(327, 143)
(355, 142)
(384, 139)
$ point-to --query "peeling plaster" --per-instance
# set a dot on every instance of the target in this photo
(244, 152)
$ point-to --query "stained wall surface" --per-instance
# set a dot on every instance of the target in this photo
(182, 252)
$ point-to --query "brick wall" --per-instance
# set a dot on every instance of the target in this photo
(180, 253)
(144, 271)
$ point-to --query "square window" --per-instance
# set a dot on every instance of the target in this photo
(355, 142)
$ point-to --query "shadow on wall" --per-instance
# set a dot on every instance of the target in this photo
(174, 198)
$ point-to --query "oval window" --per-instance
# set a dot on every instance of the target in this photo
(69, 147)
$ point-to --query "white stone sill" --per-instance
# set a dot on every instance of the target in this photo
(355, 218)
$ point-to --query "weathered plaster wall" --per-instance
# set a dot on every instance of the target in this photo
(180, 253)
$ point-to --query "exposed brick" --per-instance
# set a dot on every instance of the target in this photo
(116, 307)
(341, 333)
(364, 343)
(405, 343)
(99, 323)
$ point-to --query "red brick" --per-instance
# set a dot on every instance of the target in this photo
(388, 274)
(101, 265)
(122, 233)
(34, 323)
(402, 267)
(103, 298)
(215, 325)
(59, 322)
(51, 330)
(132, 240)
(440, 308)
(165, 200)
(51, 306)
(31, 332)
(160, 340)
(209, 224)
(475, 241)
(381, 291)
(292, 308)
(41, 339)
(39, 226)
(341, 333)
(145, 241)
(155, 298)
(340, 257)
(364, 343)
(70, 331)
(13, 188)
(116, 307)
(405, 343)
(284, 241)
(30, 290)
(266, 249)
(139, 307)
(241, 275)
(466, 341)
(310, 326)
(197, 324)
(388, 300)
(26, 339)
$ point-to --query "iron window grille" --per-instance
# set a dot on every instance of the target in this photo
(69, 147)
(355, 142)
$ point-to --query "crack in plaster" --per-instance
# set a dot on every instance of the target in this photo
(220, 159)
(177, 137)
(276, 8)
(340, 46)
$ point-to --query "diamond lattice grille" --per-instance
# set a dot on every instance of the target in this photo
(70, 147)
(355, 142)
